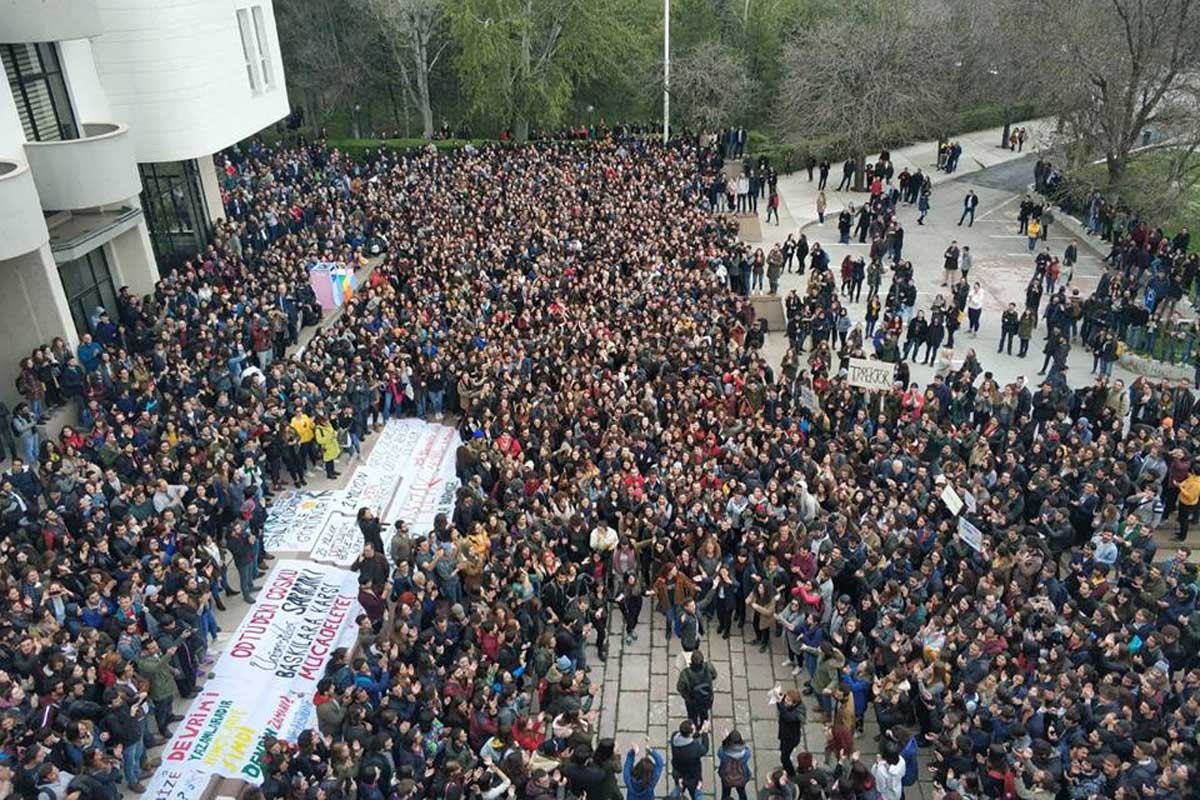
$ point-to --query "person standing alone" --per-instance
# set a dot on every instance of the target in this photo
(970, 203)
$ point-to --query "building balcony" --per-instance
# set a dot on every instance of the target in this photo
(96, 169)
(24, 21)
(22, 228)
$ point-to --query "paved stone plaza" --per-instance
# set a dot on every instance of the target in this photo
(638, 701)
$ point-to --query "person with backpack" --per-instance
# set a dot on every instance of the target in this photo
(695, 685)
(688, 747)
(642, 775)
(733, 765)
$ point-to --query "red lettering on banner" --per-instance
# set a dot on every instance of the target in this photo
(178, 750)
(255, 628)
(314, 663)
(192, 725)
(278, 589)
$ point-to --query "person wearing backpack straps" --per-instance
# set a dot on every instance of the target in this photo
(695, 685)
(733, 765)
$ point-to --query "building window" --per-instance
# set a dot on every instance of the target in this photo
(88, 287)
(264, 51)
(249, 51)
(175, 209)
(36, 80)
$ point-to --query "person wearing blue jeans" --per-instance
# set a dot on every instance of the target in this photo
(121, 727)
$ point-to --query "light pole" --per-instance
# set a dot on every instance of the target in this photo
(666, 70)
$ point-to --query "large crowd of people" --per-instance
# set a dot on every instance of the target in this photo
(625, 448)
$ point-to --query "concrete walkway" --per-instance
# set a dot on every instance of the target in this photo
(798, 195)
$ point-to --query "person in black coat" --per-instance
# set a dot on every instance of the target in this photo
(688, 748)
(791, 711)
(370, 526)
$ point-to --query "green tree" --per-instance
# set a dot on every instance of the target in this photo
(323, 46)
(520, 61)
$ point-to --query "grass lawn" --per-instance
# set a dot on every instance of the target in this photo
(1145, 188)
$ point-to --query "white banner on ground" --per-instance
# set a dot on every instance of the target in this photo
(867, 374)
(409, 475)
(429, 485)
(182, 782)
(393, 452)
(303, 613)
(224, 729)
(340, 541)
(295, 519)
(970, 534)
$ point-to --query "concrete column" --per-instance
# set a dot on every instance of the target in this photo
(131, 259)
(33, 311)
(211, 186)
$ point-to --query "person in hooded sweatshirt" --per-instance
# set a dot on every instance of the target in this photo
(695, 686)
(688, 748)
(733, 765)
(642, 774)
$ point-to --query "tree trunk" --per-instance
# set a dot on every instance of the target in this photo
(521, 129)
(1116, 168)
(860, 167)
(1006, 132)
(392, 103)
(423, 104)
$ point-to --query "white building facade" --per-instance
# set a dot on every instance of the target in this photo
(110, 112)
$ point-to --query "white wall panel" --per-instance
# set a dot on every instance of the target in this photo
(173, 69)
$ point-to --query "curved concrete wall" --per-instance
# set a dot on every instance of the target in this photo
(47, 20)
(22, 227)
(175, 72)
(97, 169)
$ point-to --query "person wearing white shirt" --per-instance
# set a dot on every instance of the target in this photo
(889, 776)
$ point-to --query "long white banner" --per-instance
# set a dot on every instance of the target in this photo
(303, 613)
(429, 482)
(264, 681)
(223, 731)
(340, 541)
(409, 475)
(296, 518)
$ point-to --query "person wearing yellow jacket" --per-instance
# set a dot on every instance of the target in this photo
(305, 428)
(1189, 499)
(326, 438)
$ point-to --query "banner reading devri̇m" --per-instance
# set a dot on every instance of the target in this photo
(224, 732)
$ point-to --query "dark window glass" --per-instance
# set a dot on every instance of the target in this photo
(88, 286)
(36, 81)
(176, 212)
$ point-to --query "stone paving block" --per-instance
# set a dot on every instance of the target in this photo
(634, 673)
(640, 645)
(632, 710)
(765, 731)
(766, 760)
(760, 677)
